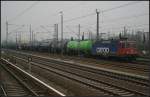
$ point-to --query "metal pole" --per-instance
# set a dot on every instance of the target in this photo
(0, 51)
(132, 36)
(79, 41)
(90, 34)
(125, 31)
(6, 34)
(0, 63)
(55, 38)
(29, 63)
(30, 37)
(16, 40)
(83, 36)
(19, 40)
(149, 44)
(34, 38)
(57, 32)
(61, 32)
(97, 12)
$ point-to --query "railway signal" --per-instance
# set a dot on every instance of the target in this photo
(97, 12)
(29, 63)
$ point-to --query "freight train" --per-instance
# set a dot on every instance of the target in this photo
(118, 48)
(105, 48)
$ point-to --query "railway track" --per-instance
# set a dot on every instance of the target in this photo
(52, 76)
(2, 90)
(12, 85)
(126, 67)
(114, 64)
(139, 61)
(143, 61)
(139, 65)
(101, 80)
(17, 82)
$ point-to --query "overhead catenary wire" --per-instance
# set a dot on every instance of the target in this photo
(16, 29)
(126, 26)
(120, 27)
(71, 30)
(23, 12)
(107, 10)
(68, 9)
(80, 17)
(15, 24)
(124, 19)
(120, 18)
(45, 28)
(120, 6)
(128, 17)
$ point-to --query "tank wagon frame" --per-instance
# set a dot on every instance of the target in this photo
(103, 48)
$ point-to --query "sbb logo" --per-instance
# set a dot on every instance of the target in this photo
(102, 50)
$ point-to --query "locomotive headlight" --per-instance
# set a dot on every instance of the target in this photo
(127, 52)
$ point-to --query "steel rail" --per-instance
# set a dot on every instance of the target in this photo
(128, 75)
(82, 76)
(70, 77)
(36, 79)
(20, 81)
(3, 90)
(129, 66)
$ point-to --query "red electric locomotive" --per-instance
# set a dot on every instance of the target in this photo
(127, 49)
(119, 48)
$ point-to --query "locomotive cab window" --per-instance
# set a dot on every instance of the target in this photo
(131, 44)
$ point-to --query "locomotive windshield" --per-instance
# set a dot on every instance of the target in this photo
(127, 44)
(130, 44)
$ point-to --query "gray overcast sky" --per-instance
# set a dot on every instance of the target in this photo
(135, 16)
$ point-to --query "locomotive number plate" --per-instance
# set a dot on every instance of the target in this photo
(102, 50)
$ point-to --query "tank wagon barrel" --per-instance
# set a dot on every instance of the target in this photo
(83, 46)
